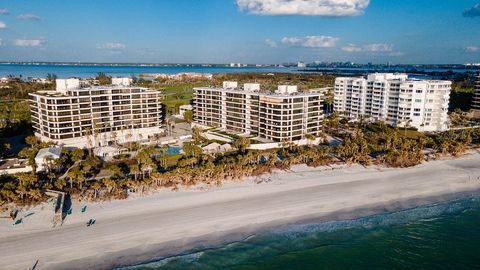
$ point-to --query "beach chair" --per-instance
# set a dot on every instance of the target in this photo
(84, 209)
(19, 221)
(91, 222)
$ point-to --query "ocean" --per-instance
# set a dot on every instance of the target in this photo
(88, 71)
(440, 236)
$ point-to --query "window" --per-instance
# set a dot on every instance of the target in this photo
(418, 100)
(419, 91)
(416, 109)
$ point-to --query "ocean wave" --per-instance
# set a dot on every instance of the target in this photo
(420, 227)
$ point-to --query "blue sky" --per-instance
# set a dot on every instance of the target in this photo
(247, 31)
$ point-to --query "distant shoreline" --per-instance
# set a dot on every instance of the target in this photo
(166, 223)
(67, 63)
(87, 70)
(129, 64)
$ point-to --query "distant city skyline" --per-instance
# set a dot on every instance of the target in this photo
(241, 31)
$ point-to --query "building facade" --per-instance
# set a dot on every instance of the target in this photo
(281, 116)
(476, 99)
(395, 99)
(75, 115)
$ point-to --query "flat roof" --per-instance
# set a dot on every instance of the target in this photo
(55, 93)
(13, 163)
(261, 92)
(394, 79)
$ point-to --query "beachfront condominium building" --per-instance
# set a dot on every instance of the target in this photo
(395, 99)
(90, 116)
(476, 99)
(283, 115)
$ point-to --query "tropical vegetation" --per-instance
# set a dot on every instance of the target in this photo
(146, 169)
(86, 177)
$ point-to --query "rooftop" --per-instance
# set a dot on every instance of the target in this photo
(56, 93)
(6, 164)
(397, 77)
(54, 152)
(282, 91)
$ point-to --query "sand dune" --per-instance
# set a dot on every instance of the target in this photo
(163, 224)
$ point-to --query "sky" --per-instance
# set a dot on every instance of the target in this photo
(241, 31)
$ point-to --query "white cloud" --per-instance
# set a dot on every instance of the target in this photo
(271, 43)
(112, 47)
(351, 48)
(3, 25)
(4, 11)
(28, 42)
(472, 49)
(28, 17)
(329, 8)
(369, 48)
(378, 47)
(311, 41)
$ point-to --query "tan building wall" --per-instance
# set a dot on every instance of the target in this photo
(271, 116)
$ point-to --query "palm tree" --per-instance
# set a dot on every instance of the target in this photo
(333, 122)
(75, 174)
(406, 126)
(159, 179)
(60, 184)
(328, 100)
(32, 140)
(22, 191)
(26, 179)
(51, 176)
(96, 189)
(77, 154)
(110, 184)
(51, 77)
(88, 134)
(242, 144)
(96, 133)
(114, 138)
(134, 170)
(47, 161)
(310, 138)
(197, 135)
(147, 167)
(169, 124)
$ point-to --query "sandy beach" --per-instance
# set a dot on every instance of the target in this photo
(166, 223)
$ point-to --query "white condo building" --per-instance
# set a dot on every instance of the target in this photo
(281, 116)
(476, 99)
(395, 99)
(81, 116)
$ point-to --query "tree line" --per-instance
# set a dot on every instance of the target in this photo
(86, 177)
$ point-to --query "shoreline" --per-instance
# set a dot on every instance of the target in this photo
(169, 223)
(242, 234)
